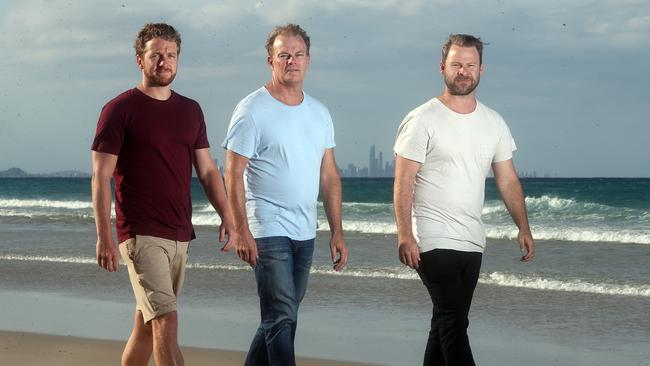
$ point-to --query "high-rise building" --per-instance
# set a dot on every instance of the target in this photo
(372, 162)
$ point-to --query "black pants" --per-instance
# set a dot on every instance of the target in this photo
(450, 276)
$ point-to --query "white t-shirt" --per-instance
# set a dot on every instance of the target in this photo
(456, 151)
(285, 147)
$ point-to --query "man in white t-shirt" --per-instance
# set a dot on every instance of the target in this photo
(444, 151)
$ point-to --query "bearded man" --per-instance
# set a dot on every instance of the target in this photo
(444, 151)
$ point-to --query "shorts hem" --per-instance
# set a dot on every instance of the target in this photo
(158, 313)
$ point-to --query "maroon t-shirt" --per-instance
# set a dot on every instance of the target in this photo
(154, 142)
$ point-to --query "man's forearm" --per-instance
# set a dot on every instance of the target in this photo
(513, 197)
(101, 195)
(403, 205)
(332, 201)
(216, 193)
(237, 201)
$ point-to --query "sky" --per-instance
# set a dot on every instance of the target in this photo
(569, 77)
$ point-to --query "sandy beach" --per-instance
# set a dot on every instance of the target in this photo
(32, 349)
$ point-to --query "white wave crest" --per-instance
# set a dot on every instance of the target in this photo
(367, 227)
(551, 206)
(510, 232)
(540, 283)
(203, 208)
(491, 208)
(402, 273)
(48, 259)
(222, 267)
(574, 234)
(41, 203)
(210, 218)
(557, 203)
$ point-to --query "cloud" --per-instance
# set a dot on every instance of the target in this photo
(54, 31)
(581, 25)
(628, 31)
(282, 11)
(213, 16)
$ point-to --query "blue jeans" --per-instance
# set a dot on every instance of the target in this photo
(281, 273)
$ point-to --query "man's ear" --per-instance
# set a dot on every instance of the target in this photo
(138, 61)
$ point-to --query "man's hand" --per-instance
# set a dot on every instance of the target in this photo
(526, 245)
(247, 248)
(409, 252)
(228, 230)
(339, 251)
(107, 255)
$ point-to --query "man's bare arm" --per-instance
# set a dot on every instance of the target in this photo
(331, 193)
(407, 246)
(212, 184)
(507, 182)
(234, 176)
(106, 250)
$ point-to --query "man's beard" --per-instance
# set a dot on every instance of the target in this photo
(157, 81)
(455, 88)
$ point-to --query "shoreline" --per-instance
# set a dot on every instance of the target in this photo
(34, 349)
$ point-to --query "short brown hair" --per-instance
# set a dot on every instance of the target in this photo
(156, 30)
(290, 30)
(462, 40)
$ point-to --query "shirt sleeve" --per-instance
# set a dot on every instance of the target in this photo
(412, 139)
(329, 136)
(506, 144)
(241, 137)
(111, 129)
(202, 137)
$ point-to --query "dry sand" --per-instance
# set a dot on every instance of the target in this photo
(31, 349)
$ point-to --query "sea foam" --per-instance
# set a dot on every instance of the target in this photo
(540, 283)
(534, 282)
(43, 203)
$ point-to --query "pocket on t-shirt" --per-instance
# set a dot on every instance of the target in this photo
(486, 152)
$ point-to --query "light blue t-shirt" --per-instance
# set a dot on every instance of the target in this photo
(285, 146)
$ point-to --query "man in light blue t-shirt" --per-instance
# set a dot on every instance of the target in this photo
(280, 154)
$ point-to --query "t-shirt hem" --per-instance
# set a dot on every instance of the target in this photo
(450, 243)
(499, 160)
(261, 234)
(409, 156)
(131, 234)
(237, 150)
(104, 150)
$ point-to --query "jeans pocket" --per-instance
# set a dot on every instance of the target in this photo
(272, 254)
(273, 247)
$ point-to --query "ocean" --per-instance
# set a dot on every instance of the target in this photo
(588, 288)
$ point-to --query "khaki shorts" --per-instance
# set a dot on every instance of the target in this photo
(157, 270)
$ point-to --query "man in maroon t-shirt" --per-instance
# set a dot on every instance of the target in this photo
(147, 139)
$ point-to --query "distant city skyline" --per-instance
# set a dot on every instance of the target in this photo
(376, 167)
